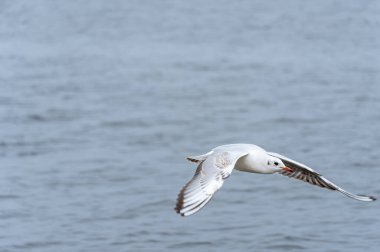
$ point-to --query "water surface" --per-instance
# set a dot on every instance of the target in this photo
(101, 102)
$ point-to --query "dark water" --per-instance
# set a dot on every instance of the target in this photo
(100, 101)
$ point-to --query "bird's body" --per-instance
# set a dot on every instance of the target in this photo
(253, 157)
(217, 165)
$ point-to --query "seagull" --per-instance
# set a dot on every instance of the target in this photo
(217, 165)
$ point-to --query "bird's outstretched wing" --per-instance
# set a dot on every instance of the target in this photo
(305, 173)
(208, 178)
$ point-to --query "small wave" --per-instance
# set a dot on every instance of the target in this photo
(191, 244)
(9, 196)
(38, 244)
(286, 247)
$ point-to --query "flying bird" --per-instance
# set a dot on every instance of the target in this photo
(217, 165)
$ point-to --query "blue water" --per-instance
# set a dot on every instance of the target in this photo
(101, 101)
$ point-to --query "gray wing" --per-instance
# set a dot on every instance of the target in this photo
(305, 173)
(208, 178)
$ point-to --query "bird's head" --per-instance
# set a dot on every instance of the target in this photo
(276, 164)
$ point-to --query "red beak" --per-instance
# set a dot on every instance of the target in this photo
(286, 169)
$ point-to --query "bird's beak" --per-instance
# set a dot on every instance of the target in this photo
(286, 169)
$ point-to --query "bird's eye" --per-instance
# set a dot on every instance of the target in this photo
(275, 163)
(268, 162)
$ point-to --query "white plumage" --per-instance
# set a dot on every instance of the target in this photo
(217, 165)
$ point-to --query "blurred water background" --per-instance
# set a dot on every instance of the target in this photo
(101, 101)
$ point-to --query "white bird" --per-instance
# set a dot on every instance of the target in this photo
(217, 165)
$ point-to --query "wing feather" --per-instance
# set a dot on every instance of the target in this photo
(305, 173)
(208, 178)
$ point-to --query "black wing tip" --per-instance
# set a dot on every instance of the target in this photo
(372, 198)
(179, 201)
(178, 211)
